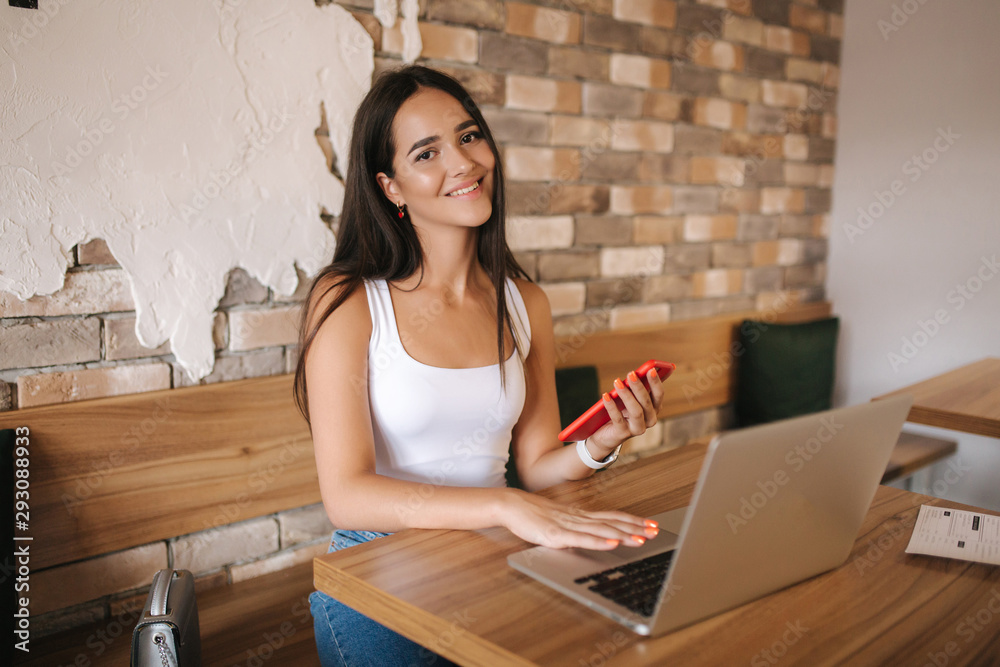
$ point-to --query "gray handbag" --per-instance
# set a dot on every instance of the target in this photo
(167, 634)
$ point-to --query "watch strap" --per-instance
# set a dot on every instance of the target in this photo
(589, 461)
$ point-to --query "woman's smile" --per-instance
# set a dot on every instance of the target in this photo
(473, 191)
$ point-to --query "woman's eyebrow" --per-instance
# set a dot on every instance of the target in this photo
(430, 140)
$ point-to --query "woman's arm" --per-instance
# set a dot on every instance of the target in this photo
(541, 459)
(355, 497)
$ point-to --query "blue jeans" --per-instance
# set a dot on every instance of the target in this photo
(346, 638)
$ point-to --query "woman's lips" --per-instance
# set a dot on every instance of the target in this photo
(467, 191)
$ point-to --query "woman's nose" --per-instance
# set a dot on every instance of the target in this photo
(458, 161)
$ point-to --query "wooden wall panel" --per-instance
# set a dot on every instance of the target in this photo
(113, 473)
(703, 350)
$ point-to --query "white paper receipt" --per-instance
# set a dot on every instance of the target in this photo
(949, 533)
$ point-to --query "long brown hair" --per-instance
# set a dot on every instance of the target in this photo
(373, 242)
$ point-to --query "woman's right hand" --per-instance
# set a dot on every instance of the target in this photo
(552, 524)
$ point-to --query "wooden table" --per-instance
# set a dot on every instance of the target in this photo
(453, 592)
(965, 399)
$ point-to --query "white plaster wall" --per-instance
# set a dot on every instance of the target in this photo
(897, 277)
(182, 133)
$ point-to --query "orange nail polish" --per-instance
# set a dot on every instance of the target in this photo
(652, 532)
(606, 396)
(619, 383)
(639, 539)
(632, 377)
(613, 543)
(651, 523)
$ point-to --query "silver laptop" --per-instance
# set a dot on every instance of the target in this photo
(773, 505)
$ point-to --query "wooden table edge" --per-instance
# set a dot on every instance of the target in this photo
(468, 648)
(948, 419)
(420, 626)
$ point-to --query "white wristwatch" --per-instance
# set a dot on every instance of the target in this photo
(588, 460)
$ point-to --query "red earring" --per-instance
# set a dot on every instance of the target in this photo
(401, 208)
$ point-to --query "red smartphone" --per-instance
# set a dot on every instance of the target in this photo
(597, 416)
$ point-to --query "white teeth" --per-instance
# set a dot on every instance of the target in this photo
(464, 190)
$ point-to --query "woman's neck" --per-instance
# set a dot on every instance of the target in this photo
(451, 263)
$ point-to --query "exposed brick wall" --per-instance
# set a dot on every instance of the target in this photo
(98, 588)
(685, 147)
(665, 160)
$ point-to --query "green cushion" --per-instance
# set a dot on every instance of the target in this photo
(577, 389)
(785, 370)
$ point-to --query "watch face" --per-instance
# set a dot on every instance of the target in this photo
(613, 455)
(609, 459)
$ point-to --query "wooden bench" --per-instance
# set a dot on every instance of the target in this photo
(261, 621)
(116, 473)
(914, 452)
(707, 355)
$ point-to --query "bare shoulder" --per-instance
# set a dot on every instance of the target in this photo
(352, 313)
(535, 300)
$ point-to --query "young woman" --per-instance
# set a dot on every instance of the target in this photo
(427, 355)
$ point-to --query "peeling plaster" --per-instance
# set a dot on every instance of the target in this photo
(182, 133)
(386, 10)
(412, 45)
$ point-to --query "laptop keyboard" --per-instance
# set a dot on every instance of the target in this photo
(635, 585)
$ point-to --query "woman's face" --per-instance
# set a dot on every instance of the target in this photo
(443, 164)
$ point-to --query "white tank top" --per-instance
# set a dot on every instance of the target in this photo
(445, 426)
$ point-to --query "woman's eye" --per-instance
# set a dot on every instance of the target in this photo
(424, 156)
(471, 136)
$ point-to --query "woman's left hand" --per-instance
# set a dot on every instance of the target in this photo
(641, 407)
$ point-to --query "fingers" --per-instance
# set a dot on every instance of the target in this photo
(616, 415)
(596, 536)
(623, 517)
(640, 413)
(615, 526)
(643, 398)
(597, 530)
(655, 388)
(631, 421)
(585, 540)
